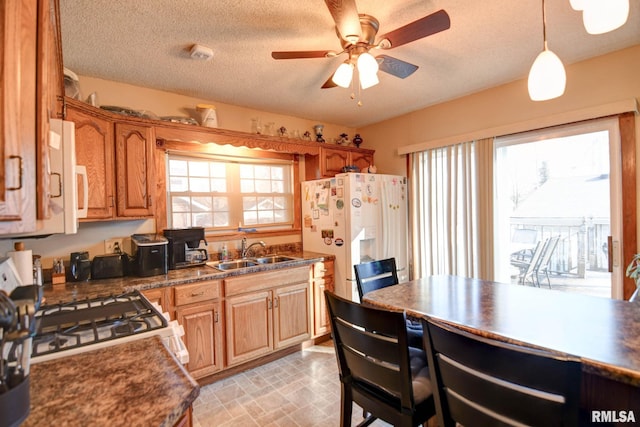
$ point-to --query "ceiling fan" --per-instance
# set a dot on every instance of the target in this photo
(357, 33)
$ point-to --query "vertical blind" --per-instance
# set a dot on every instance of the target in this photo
(452, 214)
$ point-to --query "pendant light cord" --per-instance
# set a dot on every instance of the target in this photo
(544, 26)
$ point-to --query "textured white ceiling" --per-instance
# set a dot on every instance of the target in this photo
(490, 42)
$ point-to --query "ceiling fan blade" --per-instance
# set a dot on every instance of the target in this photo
(395, 66)
(423, 27)
(302, 54)
(329, 83)
(345, 15)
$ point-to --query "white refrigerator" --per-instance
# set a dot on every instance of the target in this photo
(358, 218)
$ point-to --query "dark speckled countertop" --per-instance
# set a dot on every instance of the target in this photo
(603, 333)
(137, 383)
(94, 288)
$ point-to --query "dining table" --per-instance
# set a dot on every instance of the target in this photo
(603, 333)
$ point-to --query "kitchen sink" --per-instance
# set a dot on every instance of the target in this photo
(232, 265)
(271, 259)
(251, 262)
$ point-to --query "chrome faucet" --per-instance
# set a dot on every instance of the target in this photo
(244, 249)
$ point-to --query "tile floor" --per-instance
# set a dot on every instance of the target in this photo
(299, 390)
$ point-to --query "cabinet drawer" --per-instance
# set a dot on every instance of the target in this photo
(196, 292)
(268, 280)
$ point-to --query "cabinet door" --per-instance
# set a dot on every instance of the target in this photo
(291, 318)
(162, 297)
(202, 336)
(249, 326)
(332, 161)
(18, 21)
(320, 316)
(50, 89)
(134, 170)
(361, 160)
(94, 149)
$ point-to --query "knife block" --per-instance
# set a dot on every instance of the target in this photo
(58, 278)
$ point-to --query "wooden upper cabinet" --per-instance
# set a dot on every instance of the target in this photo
(331, 160)
(95, 151)
(18, 34)
(135, 145)
(50, 89)
(361, 160)
(120, 163)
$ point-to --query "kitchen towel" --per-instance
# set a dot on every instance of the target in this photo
(23, 261)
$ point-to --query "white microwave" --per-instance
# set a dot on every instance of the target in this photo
(64, 174)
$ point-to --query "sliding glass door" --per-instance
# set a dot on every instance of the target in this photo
(557, 210)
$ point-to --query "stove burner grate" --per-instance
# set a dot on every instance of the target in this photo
(66, 326)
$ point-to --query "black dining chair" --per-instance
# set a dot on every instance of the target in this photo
(377, 369)
(484, 382)
(374, 275)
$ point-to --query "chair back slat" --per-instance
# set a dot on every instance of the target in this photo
(479, 378)
(375, 275)
(376, 345)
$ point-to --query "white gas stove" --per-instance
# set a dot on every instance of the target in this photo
(65, 329)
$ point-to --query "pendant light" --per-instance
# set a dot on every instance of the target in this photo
(547, 78)
(577, 4)
(600, 16)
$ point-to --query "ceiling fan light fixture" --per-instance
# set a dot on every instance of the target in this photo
(367, 64)
(547, 77)
(600, 17)
(367, 70)
(343, 75)
(368, 80)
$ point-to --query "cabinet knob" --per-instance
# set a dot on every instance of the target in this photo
(197, 294)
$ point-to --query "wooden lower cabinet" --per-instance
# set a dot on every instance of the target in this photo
(323, 279)
(247, 316)
(198, 310)
(249, 326)
(291, 315)
(265, 312)
(163, 297)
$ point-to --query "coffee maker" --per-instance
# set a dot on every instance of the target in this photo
(184, 248)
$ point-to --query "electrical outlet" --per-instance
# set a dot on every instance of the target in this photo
(112, 246)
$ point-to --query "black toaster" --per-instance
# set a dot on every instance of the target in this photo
(108, 266)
